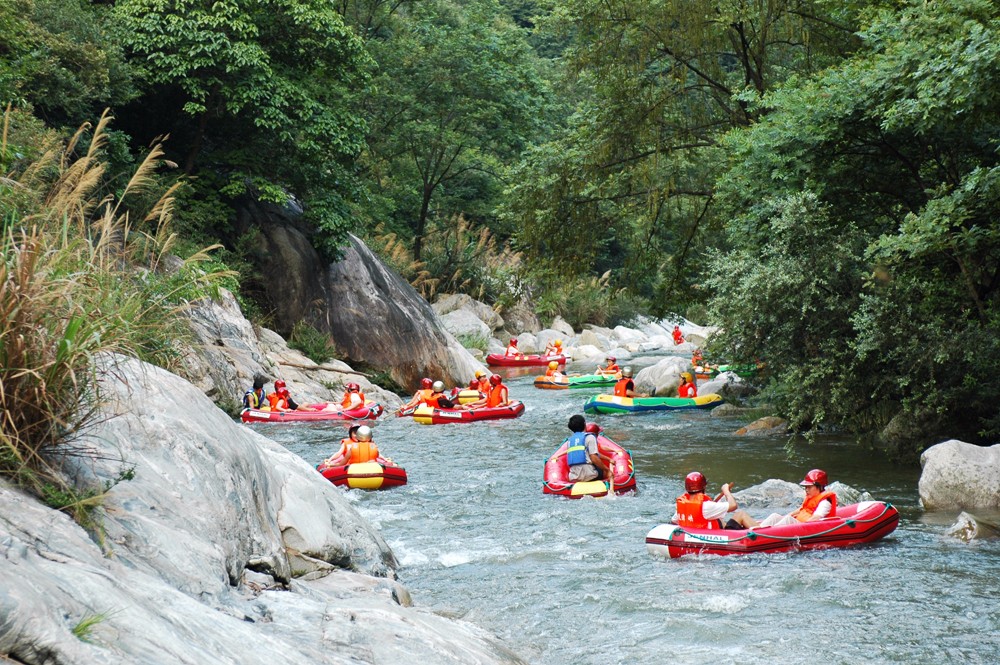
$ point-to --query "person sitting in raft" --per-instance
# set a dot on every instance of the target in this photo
(819, 503)
(256, 398)
(438, 399)
(697, 358)
(281, 399)
(421, 396)
(625, 386)
(482, 382)
(512, 351)
(554, 348)
(688, 387)
(582, 455)
(553, 369)
(353, 397)
(678, 335)
(611, 367)
(497, 395)
(357, 448)
(696, 511)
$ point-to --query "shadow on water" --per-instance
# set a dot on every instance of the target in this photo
(564, 581)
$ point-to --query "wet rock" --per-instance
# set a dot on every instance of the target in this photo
(663, 378)
(766, 426)
(959, 475)
(562, 326)
(784, 496)
(969, 527)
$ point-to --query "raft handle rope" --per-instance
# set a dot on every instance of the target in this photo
(753, 535)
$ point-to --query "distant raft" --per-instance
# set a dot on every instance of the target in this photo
(367, 412)
(426, 415)
(564, 382)
(555, 477)
(854, 524)
(365, 475)
(501, 360)
(615, 404)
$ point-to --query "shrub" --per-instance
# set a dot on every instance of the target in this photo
(316, 345)
(80, 277)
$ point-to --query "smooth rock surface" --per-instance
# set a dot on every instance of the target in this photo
(960, 476)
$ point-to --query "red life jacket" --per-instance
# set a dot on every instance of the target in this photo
(687, 390)
(622, 387)
(497, 396)
(809, 505)
(689, 512)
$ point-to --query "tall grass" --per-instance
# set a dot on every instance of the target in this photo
(83, 273)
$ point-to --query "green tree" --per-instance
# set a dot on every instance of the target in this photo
(257, 90)
(456, 99)
(898, 146)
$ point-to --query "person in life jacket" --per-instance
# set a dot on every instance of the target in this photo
(512, 349)
(421, 396)
(582, 454)
(497, 395)
(438, 399)
(695, 510)
(353, 397)
(818, 504)
(281, 399)
(553, 369)
(697, 358)
(482, 382)
(625, 386)
(255, 398)
(357, 448)
(554, 348)
(678, 335)
(610, 368)
(688, 387)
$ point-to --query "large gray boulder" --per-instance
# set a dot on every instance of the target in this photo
(463, 323)
(663, 378)
(459, 301)
(373, 315)
(195, 559)
(960, 476)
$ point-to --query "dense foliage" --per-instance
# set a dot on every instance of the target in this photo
(822, 174)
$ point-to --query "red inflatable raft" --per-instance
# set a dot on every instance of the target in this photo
(500, 360)
(365, 475)
(426, 415)
(857, 523)
(369, 412)
(555, 478)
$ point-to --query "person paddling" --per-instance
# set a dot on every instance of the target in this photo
(696, 511)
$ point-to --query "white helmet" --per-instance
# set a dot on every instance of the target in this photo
(438, 387)
(364, 433)
(627, 372)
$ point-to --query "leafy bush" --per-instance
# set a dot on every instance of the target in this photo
(315, 344)
(582, 300)
(475, 341)
(83, 273)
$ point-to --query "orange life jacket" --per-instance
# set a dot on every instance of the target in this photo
(687, 390)
(277, 401)
(346, 402)
(613, 367)
(621, 388)
(484, 385)
(361, 451)
(497, 396)
(424, 395)
(689, 512)
(552, 372)
(809, 505)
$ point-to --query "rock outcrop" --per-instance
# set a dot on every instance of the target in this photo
(960, 476)
(223, 548)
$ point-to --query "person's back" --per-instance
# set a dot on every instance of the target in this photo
(625, 386)
(512, 348)
(582, 456)
(553, 369)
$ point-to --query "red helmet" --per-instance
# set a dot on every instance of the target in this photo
(592, 428)
(278, 385)
(695, 482)
(513, 341)
(353, 387)
(495, 380)
(426, 383)
(611, 359)
(815, 477)
(283, 392)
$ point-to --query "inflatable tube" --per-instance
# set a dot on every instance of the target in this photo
(367, 412)
(705, 372)
(613, 404)
(555, 477)
(467, 396)
(426, 415)
(594, 380)
(500, 360)
(365, 475)
(854, 524)
(560, 382)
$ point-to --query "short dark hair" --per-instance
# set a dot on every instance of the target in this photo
(259, 381)
(577, 423)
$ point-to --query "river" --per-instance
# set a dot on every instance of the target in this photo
(570, 581)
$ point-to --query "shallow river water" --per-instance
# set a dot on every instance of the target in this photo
(570, 581)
